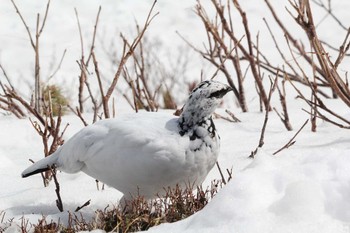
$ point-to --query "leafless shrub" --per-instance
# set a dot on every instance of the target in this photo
(324, 70)
(153, 82)
(48, 128)
(83, 64)
(45, 107)
(128, 52)
(35, 45)
(224, 46)
(143, 97)
(8, 104)
(338, 84)
(37, 100)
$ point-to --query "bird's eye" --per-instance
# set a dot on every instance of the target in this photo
(218, 94)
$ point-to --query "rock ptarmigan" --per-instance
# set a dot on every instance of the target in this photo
(143, 153)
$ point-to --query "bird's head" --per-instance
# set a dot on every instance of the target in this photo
(203, 101)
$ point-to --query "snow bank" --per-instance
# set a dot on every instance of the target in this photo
(291, 193)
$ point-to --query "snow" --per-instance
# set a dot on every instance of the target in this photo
(305, 188)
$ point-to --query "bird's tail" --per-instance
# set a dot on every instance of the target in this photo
(41, 166)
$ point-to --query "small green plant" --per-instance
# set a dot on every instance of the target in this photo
(54, 96)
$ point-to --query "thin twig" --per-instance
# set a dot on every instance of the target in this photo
(291, 141)
(342, 50)
(127, 54)
(261, 140)
(285, 118)
(25, 24)
(78, 113)
(94, 36)
(59, 202)
(45, 17)
(59, 65)
(97, 71)
(83, 76)
(84, 205)
(7, 78)
(222, 175)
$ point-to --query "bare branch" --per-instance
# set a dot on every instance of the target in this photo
(45, 17)
(94, 36)
(59, 202)
(84, 205)
(291, 141)
(127, 54)
(262, 134)
(59, 65)
(82, 65)
(25, 24)
(342, 50)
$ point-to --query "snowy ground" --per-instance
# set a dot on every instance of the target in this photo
(305, 188)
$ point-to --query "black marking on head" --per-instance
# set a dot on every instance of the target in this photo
(201, 85)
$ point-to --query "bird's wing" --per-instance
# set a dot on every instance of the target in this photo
(127, 142)
(136, 149)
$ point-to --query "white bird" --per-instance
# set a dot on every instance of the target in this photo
(143, 153)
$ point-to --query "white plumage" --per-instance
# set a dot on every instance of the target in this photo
(144, 153)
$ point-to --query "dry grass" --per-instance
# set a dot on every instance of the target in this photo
(139, 215)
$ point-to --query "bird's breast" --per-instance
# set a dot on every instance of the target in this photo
(203, 151)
